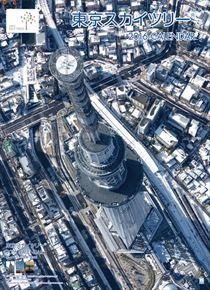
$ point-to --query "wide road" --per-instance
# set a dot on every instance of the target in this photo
(161, 180)
(51, 24)
(33, 118)
(150, 90)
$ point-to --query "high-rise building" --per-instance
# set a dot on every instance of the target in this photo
(110, 174)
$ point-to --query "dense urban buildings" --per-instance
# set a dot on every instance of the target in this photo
(104, 145)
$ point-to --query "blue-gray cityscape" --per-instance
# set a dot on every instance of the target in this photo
(105, 144)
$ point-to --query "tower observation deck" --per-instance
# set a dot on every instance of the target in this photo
(109, 173)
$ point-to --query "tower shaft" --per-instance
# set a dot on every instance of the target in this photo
(100, 153)
(86, 115)
(107, 175)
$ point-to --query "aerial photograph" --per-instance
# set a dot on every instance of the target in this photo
(104, 144)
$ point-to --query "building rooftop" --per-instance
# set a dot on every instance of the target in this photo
(166, 137)
(179, 119)
(141, 98)
(188, 93)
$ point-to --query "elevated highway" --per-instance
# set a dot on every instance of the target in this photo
(51, 23)
(161, 180)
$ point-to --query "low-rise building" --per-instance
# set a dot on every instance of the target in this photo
(27, 165)
(143, 126)
(165, 137)
(188, 93)
(178, 121)
(155, 110)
